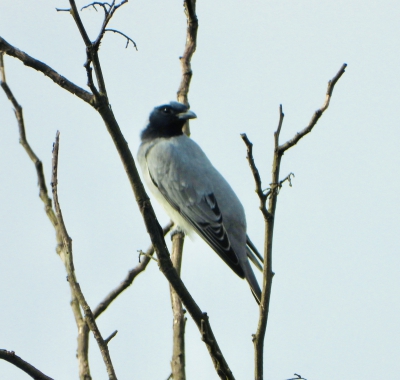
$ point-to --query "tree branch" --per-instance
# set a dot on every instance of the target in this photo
(316, 116)
(128, 39)
(63, 82)
(132, 274)
(33, 372)
(91, 53)
(93, 48)
(83, 340)
(190, 48)
(269, 215)
(179, 320)
(257, 179)
(67, 243)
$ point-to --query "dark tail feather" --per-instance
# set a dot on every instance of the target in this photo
(254, 259)
(252, 281)
(253, 254)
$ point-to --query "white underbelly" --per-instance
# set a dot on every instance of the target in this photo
(175, 216)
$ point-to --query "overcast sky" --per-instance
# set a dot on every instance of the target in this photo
(335, 298)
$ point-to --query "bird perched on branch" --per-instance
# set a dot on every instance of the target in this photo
(193, 192)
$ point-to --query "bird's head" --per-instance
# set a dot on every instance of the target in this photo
(167, 121)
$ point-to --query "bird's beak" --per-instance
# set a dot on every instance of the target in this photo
(187, 115)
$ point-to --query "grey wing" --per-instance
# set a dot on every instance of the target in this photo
(187, 191)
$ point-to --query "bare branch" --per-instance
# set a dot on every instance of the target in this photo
(257, 179)
(67, 243)
(317, 114)
(276, 184)
(108, 14)
(92, 56)
(298, 377)
(38, 164)
(33, 372)
(128, 39)
(83, 342)
(63, 82)
(190, 48)
(132, 274)
(79, 24)
(179, 320)
(287, 178)
(278, 130)
(103, 5)
(92, 48)
(110, 337)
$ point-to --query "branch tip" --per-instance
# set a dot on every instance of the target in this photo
(106, 341)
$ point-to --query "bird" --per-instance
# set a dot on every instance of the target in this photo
(193, 193)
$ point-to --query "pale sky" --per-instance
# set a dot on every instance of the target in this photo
(335, 297)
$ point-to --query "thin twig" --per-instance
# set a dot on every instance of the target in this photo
(278, 130)
(298, 377)
(43, 194)
(67, 243)
(190, 48)
(33, 372)
(92, 56)
(83, 341)
(110, 337)
(317, 114)
(141, 253)
(128, 39)
(256, 175)
(101, 4)
(92, 49)
(132, 274)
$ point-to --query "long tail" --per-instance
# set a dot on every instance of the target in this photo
(252, 281)
(253, 254)
(258, 261)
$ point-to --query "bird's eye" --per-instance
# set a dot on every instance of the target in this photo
(166, 110)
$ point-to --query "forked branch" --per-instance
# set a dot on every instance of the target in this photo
(317, 114)
(269, 214)
(83, 342)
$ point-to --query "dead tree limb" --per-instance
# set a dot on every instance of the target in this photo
(33, 372)
(269, 215)
(63, 82)
(69, 264)
(83, 341)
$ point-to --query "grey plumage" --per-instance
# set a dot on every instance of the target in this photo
(193, 192)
